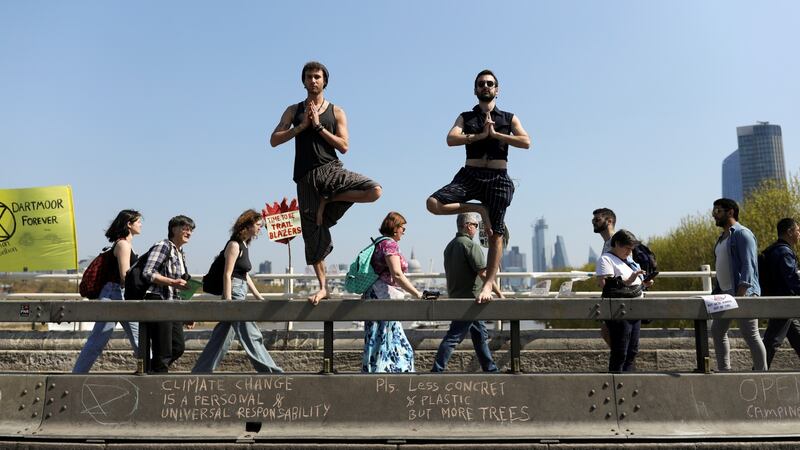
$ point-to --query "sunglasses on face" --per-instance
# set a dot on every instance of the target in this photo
(485, 83)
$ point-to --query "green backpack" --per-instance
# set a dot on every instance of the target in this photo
(361, 274)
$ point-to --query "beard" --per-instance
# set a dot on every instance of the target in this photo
(600, 227)
(485, 96)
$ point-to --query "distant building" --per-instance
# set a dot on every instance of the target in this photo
(414, 266)
(265, 267)
(592, 256)
(539, 246)
(732, 177)
(335, 269)
(513, 261)
(560, 259)
(759, 156)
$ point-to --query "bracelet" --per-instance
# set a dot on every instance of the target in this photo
(319, 128)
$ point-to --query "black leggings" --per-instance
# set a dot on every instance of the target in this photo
(165, 340)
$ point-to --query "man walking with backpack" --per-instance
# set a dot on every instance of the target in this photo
(778, 277)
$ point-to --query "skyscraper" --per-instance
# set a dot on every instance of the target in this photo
(592, 256)
(732, 177)
(539, 246)
(759, 157)
(513, 261)
(560, 259)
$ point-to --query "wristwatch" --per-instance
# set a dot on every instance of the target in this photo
(319, 128)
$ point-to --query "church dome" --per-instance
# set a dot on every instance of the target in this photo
(414, 266)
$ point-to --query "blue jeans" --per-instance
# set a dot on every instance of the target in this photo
(624, 337)
(249, 336)
(101, 333)
(456, 334)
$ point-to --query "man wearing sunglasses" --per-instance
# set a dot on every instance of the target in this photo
(486, 132)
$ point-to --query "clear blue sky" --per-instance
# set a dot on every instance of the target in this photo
(167, 107)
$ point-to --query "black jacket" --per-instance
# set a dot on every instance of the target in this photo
(780, 276)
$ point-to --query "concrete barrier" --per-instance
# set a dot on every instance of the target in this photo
(467, 407)
(22, 400)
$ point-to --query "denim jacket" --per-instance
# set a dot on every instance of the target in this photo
(743, 251)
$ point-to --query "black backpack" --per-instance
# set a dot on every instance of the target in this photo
(765, 278)
(135, 283)
(645, 258)
(212, 281)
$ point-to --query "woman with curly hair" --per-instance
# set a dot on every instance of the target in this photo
(235, 283)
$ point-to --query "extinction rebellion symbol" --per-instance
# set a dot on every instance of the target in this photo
(8, 223)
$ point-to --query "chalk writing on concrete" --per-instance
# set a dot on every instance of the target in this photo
(466, 400)
(257, 398)
(771, 397)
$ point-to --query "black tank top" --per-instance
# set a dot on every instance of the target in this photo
(113, 265)
(310, 149)
(492, 148)
(242, 266)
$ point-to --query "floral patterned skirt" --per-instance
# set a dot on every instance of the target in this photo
(386, 347)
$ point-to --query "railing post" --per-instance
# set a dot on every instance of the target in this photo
(327, 347)
(143, 358)
(288, 289)
(707, 278)
(515, 347)
(701, 346)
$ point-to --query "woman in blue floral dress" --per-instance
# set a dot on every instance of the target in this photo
(386, 347)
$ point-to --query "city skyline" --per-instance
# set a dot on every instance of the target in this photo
(759, 157)
(167, 108)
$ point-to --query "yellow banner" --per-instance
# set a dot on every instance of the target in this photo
(37, 229)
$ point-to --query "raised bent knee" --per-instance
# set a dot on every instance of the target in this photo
(375, 193)
(433, 205)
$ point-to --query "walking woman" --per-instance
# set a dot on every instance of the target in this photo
(235, 283)
(386, 347)
(125, 226)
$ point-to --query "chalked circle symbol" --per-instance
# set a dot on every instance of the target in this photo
(8, 223)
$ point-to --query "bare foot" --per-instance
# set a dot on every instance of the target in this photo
(321, 294)
(484, 296)
(321, 211)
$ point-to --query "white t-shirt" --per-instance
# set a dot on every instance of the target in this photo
(609, 265)
(723, 266)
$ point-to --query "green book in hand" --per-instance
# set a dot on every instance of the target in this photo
(191, 287)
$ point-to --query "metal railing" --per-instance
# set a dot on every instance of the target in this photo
(288, 281)
(513, 310)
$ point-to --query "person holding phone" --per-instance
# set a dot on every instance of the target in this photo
(623, 334)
